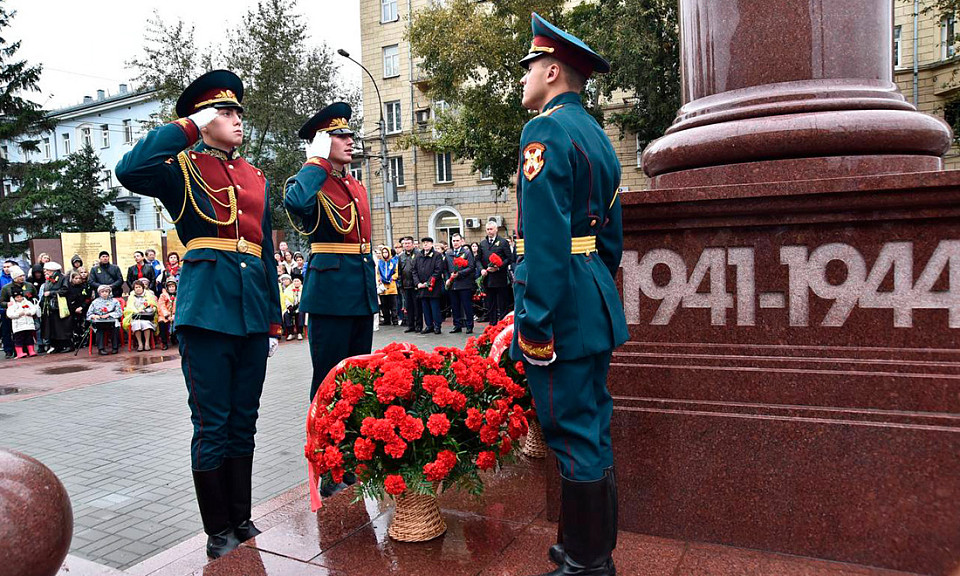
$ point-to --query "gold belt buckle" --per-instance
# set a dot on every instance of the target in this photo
(363, 247)
(242, 246)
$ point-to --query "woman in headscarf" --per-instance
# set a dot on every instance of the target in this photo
(55, 322)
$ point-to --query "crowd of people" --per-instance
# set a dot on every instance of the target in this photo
(48, 310)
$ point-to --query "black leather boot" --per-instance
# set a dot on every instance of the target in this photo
(239, 472)
(588, 531)
(556, 553)
(211, 486)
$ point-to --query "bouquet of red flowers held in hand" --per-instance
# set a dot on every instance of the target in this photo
(459, 264)
(495, 262)
(407, 421)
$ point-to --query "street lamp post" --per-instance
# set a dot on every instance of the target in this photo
(387, 220)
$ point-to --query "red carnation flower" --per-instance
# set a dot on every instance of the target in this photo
(396, 448)
(337, 431)
(364, 448)
(486, 460)
(439, 469)
(460, 262)
(493, 417)
(489, 434)
(438, 424)
(495, 260)
(394, 484)
(519, 368)
(411, 428)
(332, 457)
(474, 419)
(505, 446)
(395, 414)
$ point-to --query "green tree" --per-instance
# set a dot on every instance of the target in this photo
(21, 123)
(469, 51)
(65, 196)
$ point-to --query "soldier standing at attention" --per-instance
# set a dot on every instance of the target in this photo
(340, 293)
(568, 313)
(228, 321)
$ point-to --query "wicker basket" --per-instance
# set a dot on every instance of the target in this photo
(534, 446)
(416, 519)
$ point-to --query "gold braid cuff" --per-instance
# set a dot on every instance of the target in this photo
(535, 350)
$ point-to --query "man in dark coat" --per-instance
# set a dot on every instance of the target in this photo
(496, 278)
(412, 317)
(427, 275)
(461, 284)
(106, 273)
(141, 269)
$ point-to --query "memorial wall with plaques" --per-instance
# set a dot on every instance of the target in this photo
(87, 244)
(131, 241)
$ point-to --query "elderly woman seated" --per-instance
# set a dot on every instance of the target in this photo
(104, 317)
(140, 314)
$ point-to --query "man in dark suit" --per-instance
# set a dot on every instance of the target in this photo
(428, 277)
(105, 273)
(228, 316)
(462, 283)
(496, 278)
(412, 316)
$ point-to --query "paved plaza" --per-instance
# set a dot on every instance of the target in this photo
(116, 430)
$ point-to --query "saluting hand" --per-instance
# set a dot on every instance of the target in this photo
(320, 146)
(203, 117)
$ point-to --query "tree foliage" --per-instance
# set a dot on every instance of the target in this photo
(469, 51)
(21, 123)
(286, 80)
(64, 196)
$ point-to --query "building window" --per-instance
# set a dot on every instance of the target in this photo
(444, 167)
(395, 170)
(132, 221)
(896, 46)
(947, 39)
(159, 211)
(127, 131)
(104, 135)
(4, 153)
(7, 189)
(46, 148)
(391, 61)
(356, 170)
(639, 153)
(66, 144)
(388, 11)
(85, 138)
(107, 178)
(394, 118)
(486, 173)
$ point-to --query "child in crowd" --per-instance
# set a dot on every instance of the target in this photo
(167, 305)
(21, 313)
(292, 322)
(104, 317)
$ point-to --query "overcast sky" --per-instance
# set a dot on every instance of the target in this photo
(83, 45)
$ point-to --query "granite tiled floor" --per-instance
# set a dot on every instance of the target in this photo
(502, 534)
(116, 431)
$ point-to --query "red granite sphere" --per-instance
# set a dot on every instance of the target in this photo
(36, 519)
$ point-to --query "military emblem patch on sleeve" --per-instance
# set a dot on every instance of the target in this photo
(533, 160)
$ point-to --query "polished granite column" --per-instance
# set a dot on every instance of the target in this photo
(792, 285)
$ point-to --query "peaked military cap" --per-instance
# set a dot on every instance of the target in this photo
(217, 88)
(333, 119)
(565, 47)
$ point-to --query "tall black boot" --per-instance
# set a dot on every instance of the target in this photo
(556, 553)
(211, 486)
(588, 531)
(239, 478)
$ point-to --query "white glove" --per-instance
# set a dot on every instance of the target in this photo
(203, 117)
(540, 362)
(274, 344)
(320, 146)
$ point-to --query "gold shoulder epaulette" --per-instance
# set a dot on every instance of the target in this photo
(550, 111)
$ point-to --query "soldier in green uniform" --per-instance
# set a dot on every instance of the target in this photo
(228, 319)
(568, 314)
(340, 293)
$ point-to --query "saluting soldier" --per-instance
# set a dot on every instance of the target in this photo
(568, 314)
(340, 293)
(228, 320)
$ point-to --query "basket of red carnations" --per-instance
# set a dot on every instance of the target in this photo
(410, 424)
(494, 343)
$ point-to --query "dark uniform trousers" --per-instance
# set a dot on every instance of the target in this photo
(574, 409)
(414, 316)
(224, 376)
(333, 338)
(497, 298)
(461, 301)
